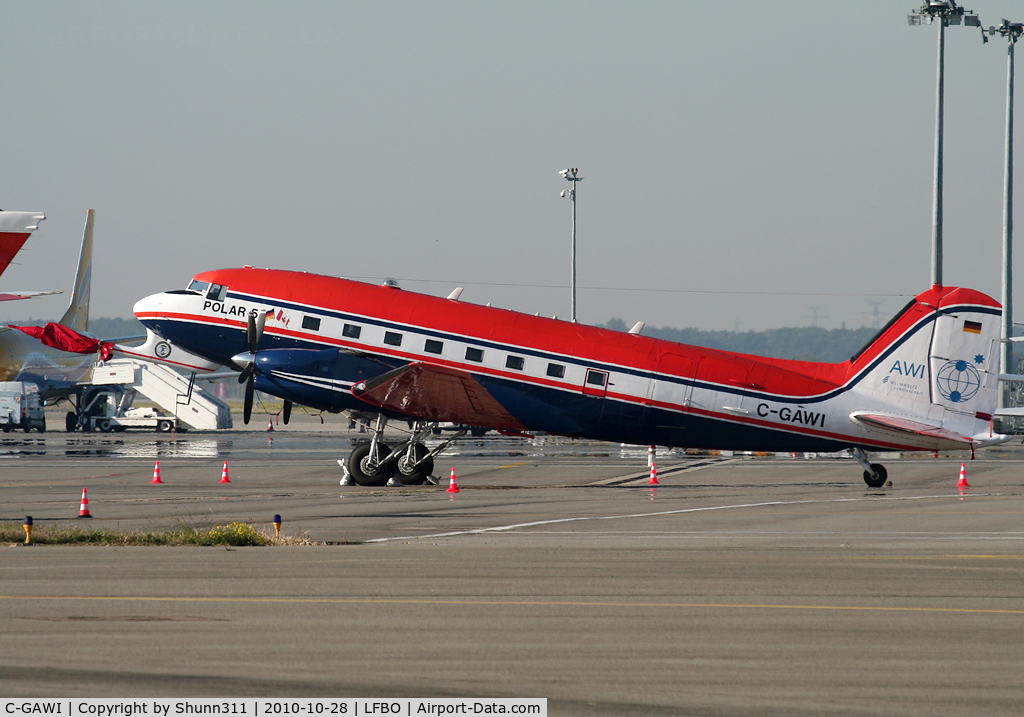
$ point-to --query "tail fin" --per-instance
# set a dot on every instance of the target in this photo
(940, 354)
(77, 315)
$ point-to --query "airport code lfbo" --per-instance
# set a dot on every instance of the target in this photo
(251, 707)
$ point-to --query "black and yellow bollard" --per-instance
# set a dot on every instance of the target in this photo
(28, 529)
(277, 525)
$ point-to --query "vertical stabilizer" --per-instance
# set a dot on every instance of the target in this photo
(77, 315)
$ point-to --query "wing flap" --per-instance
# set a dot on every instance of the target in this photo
(436, 393)
(906, 425)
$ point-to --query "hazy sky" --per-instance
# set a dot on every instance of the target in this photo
(744, 161)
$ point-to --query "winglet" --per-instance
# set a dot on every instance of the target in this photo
(77, 315)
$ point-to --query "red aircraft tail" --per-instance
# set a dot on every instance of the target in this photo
(15, 228)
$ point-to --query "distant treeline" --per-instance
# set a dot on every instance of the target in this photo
(100, 328)
(804, 343)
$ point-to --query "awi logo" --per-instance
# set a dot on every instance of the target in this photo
(958, 381)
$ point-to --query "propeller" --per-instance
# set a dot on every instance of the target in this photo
(287, 411)
(253, 333)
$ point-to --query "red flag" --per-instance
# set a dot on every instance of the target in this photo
(61, 337)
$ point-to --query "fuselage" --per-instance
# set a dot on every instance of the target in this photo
(326, 334)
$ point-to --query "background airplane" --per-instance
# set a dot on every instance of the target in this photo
(927, 381)
(57, 373)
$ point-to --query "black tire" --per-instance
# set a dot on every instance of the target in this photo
(359, 470)
(71, 422)
(879, 478)
(26, 426)
(164, 426)
(42, 426)
(105, 425)
(417, 475)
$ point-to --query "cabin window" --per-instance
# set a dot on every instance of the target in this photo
(199, 287)
(311, 323)
(556, 370)
(597, 378)
(474, 354)
(217, 292)
(514, 362)
(351, 331)
(433, 347)
(392, 339)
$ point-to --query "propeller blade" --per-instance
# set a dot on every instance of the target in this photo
(250, 387)
(246, 373)
(250, 333)
(261, 323)
(287, 411)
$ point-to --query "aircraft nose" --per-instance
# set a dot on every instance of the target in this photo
(148, 306)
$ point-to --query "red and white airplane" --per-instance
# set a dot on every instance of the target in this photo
(928, 381)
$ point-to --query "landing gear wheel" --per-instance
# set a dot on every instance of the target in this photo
(367, 474)
(71, 422)
(878, 479)
(415, 476)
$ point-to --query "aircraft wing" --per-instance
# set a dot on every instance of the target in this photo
(436, 393)
(18, 295)
(906, 425)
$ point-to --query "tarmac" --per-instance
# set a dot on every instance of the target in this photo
(740, 585)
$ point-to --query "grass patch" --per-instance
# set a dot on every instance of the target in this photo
(235, 534)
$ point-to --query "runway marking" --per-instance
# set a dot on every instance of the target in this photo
(524, 603)
(515, 526)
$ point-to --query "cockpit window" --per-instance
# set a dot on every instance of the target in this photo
(217, 292)
(199, 287)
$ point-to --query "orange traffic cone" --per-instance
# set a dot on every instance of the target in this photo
(224, 474)
(654, 475)
(270, 425)
(963, 477)
(453, 486)
(156, 473)
(83, 512)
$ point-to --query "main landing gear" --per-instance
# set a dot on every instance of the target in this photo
(875, 474)
(409, 463)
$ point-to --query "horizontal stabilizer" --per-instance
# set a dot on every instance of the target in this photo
(436, 393)
(906, 425)
(1011, 412)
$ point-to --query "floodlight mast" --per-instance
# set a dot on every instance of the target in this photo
(1012, 31)
(570, 174)
(947, 12)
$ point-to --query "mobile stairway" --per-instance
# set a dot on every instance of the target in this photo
(173, 392)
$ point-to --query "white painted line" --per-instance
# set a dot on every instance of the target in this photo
(515, 526)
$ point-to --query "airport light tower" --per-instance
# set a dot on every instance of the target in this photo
(570, 174)
(946, 12)
(1012, 31)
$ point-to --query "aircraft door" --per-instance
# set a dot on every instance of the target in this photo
(668, 391)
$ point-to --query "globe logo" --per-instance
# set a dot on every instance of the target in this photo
(958, 381)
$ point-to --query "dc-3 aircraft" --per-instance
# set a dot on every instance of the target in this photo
(928, 381)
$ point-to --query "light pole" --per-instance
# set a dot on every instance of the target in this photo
(947, 12)
(570, 174)
(1012, 32)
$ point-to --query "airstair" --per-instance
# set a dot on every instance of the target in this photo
(173, 392)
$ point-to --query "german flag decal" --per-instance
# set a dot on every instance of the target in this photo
(973, 327)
